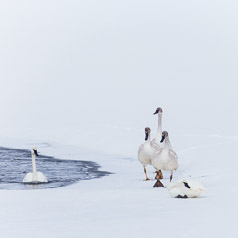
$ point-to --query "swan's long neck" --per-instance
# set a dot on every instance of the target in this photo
(159, 131)
(167, 143)
(34, 167)
(148, 139)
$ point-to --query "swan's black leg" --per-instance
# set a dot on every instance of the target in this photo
(171, 176)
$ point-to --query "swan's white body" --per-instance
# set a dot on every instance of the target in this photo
(165, 158)
(185, 189)
(37, 177)
(34, 177)
(146, 152)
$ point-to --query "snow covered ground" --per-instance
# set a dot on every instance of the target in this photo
(81, 80)
(123, 204)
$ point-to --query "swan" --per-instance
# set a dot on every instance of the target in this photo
(165, 158)
(146, 151)
(185, 189)
(157, 140)
(34, 177)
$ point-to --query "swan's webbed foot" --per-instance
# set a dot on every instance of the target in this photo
(181, 196)
(159, 175)
(158, 184)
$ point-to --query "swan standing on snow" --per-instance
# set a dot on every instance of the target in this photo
(157, 140)
(185, 189)
(146, 151)
(165, 158)
(34, 177)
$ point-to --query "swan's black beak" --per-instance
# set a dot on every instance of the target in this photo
(146, 135)
(162, 140)
(156, 112)
(35, 152)
(186, 185)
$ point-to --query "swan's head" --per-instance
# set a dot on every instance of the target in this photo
(147, 133)
(158, 111)
(34, 152)
(165, 134)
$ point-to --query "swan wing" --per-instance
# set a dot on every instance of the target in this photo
(173, 154)
(41, 178)
(140, 149)
(28, 178)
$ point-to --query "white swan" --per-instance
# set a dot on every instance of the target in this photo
(34, 177)
(185, 189)
(146, 151)
(157, 140)
(165, 158)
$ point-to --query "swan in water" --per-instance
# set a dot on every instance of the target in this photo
(157, 140)
(165, 158)
(146, 151)
(185, 189)
(34, 177)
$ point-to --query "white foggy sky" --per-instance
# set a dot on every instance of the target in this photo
(73, 63)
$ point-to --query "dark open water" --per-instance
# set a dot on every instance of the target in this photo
(16, 163)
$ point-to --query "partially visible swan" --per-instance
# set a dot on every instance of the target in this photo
(34, 177)
(157, 140)
(185, 189)
(165, 158)
(146, 151)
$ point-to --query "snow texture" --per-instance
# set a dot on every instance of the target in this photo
(82, 79)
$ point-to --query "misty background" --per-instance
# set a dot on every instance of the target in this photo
(83, 68)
